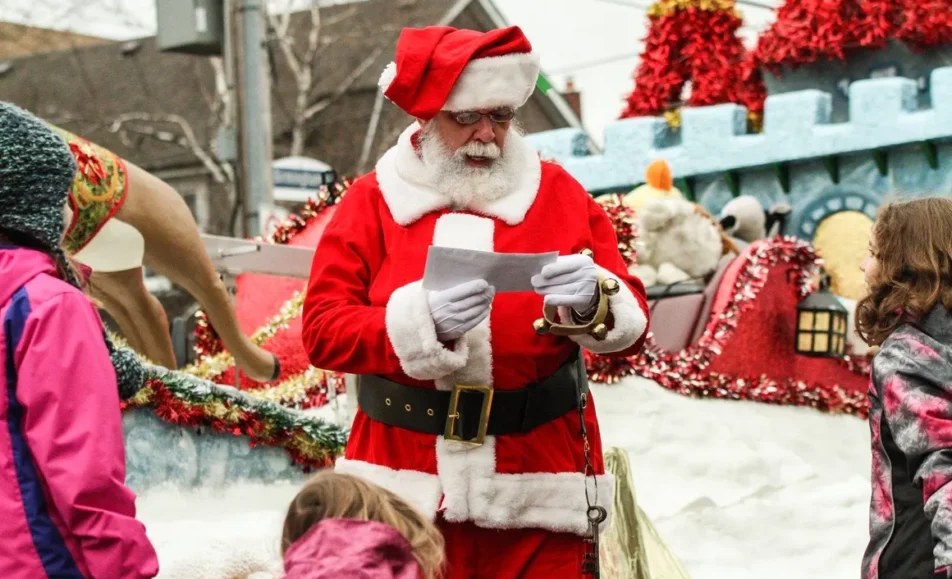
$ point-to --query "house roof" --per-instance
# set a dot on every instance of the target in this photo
(19, 40)
(85, 90)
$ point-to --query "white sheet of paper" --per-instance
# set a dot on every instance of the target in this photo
(507, 272)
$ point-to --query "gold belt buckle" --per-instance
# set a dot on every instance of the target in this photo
(453, 415)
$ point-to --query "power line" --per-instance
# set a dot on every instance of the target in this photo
(593, 63)
(645, 6)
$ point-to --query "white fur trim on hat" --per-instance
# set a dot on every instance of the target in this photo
(387, 76)
(497, 81)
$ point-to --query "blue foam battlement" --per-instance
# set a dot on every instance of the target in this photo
(883, 113)
(159, 453)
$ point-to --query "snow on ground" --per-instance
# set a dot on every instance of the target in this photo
(741, 490)
(738, 490)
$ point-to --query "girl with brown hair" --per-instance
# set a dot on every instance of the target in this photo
(908, 312)
(341, 526)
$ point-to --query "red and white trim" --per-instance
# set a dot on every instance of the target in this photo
(467, 486)
(406, 182)
(630, 320)
(499, 81)
(486, 83)
(413, 336)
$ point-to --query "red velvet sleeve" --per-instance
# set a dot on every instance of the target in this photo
(635, 300)
(341, 331)
(628, 309)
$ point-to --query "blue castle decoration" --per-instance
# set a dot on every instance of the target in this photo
(888, 148)
(193, 459)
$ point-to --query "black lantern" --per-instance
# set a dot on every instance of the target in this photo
(821, 324)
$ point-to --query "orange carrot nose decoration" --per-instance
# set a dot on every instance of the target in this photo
(658, 175)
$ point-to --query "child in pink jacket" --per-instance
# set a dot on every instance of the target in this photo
(343, 527)
(65, 511)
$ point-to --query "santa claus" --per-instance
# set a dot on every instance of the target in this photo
(467, 407)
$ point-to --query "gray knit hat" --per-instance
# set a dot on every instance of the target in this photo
(36, 171)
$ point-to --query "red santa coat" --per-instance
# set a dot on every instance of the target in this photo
(366, 312)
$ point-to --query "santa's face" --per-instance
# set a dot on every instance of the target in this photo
(459, 130)
(476, 165)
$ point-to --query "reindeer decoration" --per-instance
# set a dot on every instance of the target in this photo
(120, 218)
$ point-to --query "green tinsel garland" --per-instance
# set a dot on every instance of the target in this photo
(187, 400)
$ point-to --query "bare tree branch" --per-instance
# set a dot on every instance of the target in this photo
(146, 124)
(344, 86)
(301, 62)
(313, 36)
(280, 23)
(224, 106)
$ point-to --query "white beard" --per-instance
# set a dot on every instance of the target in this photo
(464, 184)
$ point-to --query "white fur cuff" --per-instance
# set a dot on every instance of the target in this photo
(413, 336)
(629, 319)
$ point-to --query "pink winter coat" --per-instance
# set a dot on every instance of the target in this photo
(65, 511)
(349, 549)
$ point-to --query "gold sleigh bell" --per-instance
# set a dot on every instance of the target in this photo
(597, 328)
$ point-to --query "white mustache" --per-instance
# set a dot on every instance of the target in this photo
(476, 149)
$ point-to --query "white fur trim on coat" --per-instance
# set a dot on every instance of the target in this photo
(422, 490)
(405, 183)
(413, 336)
(464, 231)
(628, 316)
(497, 81)
(474, 491)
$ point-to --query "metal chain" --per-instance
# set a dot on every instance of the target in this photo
(595, 513)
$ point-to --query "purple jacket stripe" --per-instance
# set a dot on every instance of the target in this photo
(50, 547)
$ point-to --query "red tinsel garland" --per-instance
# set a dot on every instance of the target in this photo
(926, 24)
(626, 230)
(686, 372)
(807, 31)
(207, 340)
(693, 43)
(173, 410)
(661, 74)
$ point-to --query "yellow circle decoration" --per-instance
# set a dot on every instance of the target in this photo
(842, 241)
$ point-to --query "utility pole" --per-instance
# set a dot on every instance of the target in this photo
(254, 126)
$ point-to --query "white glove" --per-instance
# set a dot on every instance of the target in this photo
(460, 308)
(570, 281)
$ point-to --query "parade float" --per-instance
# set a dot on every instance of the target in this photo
(758, 325)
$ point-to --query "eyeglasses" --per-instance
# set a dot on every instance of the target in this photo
(497, 116)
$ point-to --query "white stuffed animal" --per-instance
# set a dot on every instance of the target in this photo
(677, 242)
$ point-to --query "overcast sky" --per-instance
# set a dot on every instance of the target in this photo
(594, 41)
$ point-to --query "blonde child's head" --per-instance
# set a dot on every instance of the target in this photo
(909, 267)
(331, 495)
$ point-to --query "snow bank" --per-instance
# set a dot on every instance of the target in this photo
(738, 490)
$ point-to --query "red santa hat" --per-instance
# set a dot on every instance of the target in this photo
(443, 68)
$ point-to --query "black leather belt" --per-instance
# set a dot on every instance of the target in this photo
(469, 413)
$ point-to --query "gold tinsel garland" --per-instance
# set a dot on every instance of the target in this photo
(299, 390)
(184, 400)
(208, 367)
(673, 118)
(668, 7)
